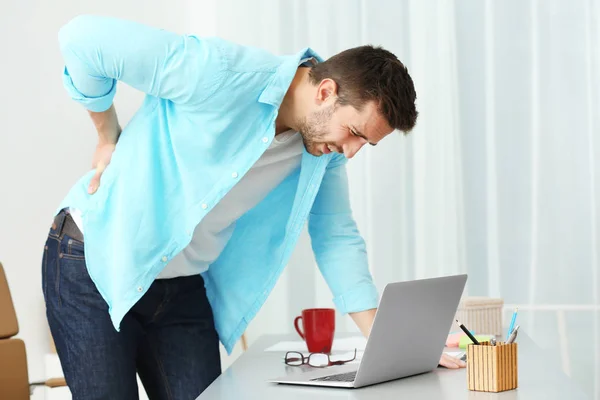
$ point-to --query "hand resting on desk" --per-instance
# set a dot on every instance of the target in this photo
(451, 362)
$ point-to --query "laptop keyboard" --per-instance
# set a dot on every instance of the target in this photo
(347, 377)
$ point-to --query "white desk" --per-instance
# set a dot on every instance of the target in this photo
(539, 378)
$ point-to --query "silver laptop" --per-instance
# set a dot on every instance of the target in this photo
(407, 338)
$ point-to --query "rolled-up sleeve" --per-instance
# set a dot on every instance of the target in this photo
(339, 248)
(99, 51)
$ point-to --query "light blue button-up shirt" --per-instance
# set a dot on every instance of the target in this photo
(209, 114)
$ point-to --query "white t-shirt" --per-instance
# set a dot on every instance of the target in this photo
(214, 231)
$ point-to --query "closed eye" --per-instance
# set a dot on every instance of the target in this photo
(360, 135)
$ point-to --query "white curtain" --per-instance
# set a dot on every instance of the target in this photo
(499, 179)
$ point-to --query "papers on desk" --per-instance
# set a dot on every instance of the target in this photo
(343, 344)
(342, 349)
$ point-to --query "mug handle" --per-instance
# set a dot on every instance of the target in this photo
(298, 328)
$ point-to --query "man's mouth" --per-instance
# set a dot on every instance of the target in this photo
(328, 148)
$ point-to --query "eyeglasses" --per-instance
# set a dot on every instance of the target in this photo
(318, 360)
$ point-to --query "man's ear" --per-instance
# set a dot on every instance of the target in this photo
(327, 90)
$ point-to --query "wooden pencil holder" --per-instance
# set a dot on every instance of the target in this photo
(492, 368)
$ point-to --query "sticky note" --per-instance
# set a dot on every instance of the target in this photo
(464, 341)
(454, 339)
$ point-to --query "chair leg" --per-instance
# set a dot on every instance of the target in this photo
(51, 383)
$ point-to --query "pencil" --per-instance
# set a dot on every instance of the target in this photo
(465, 330)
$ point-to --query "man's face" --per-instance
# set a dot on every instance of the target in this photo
(342, 129)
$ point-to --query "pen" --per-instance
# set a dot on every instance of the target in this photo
(512, 323)
(465, 330)
(513, 335)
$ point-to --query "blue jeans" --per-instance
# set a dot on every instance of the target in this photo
(168, 337)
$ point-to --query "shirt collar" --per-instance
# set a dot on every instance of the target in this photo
(275, 91)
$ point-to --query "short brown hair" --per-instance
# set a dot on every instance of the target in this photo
(369, 73)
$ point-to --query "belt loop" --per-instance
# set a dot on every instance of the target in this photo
(59, 221)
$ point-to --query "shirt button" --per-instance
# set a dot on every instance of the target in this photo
(140, 289)
(265, 139)
(164, 259)
(234, 175)
(204, 206)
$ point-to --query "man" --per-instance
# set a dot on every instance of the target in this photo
(175, 239)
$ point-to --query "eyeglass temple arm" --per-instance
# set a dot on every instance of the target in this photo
(341, 362)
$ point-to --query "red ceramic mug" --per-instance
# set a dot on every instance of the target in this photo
(318, 326)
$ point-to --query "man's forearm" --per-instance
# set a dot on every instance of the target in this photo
(364, 320)
(107, 125)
